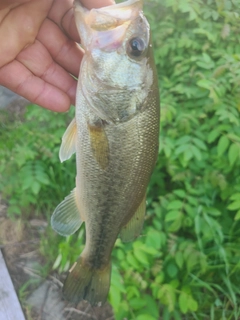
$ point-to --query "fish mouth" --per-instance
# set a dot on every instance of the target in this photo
(105, 27)
(106, 18)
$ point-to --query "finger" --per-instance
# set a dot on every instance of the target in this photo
(33, 88)
(63, 14)
(20, 27)
(37, 59)
(64, 51)
(11, 3)
(96, 3)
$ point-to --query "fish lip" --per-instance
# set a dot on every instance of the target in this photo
(105, 27)
(108, 17)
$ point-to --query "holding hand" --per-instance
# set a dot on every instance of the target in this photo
(39, 51)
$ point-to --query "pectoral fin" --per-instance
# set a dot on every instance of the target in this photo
(66, 217)
(134, 226)
(99, 144)
(68, 146)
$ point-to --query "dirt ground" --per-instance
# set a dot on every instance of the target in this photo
(40, 298)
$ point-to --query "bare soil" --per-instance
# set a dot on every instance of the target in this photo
(40, 297)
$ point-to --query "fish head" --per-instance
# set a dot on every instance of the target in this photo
(116, 40)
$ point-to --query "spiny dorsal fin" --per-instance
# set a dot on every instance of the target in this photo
(68, 146)
(66, 217)
(134, 226)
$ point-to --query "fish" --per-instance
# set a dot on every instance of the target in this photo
(115, 135)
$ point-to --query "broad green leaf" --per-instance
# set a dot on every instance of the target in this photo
(192, 304)
(145, 317)
(173, 215)
(35, 187)
(172, 270)
(180, 193)
(237, 216)
(234, 205)
(137, 303)
(141, 256)
(213, 135)
(179, 259)
(233, 153)
(132, 261)
(175, 204)
(188, 154)
(235, 196)
(213, 211)
(167, 295)
(132, 291)
(199, 143)
(223, 144)
(197, 153)
(183, 302)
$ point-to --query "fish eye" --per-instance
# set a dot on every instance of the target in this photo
(136, 47)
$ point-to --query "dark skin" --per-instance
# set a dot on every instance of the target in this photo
(39, 51)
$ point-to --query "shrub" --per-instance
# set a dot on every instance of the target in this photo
(186, 263)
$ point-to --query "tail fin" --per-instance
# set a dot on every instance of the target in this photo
(85, 283)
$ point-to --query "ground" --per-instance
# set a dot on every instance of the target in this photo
(40, 296)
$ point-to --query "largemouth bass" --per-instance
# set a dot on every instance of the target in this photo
(115, 137)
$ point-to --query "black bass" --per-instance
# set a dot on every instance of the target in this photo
(115, 137)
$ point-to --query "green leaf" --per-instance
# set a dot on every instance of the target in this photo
(235, 196)
(137, 303)
(197, 153)
(180, 193)
(183, 302)
(237, 216)
(132, 291)
(35, 187)
(213, 211)
(141, 256)
(172, 215)
(213, 135)
(199, 143)
(234, 205)
(233, 153)
(204, 83)
(132, 261)
(175, 204)
(172, 270)
(179, 259)
(145, 317)
(223, 144)
(167, 295)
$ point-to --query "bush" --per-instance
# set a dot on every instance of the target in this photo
(186, 263)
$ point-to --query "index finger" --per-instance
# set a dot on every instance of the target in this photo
(62, 13)
(96, 3)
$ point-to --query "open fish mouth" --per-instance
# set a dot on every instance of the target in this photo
(109, 17)
(106, 26)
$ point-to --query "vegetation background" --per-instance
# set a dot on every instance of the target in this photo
(186, 264)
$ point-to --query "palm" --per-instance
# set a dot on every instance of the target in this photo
(39, 52)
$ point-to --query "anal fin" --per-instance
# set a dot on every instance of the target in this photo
(66, 217)
(134, 226)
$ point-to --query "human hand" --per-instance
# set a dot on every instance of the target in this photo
(39, 51)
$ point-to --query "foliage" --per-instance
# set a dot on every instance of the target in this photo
(186, 263)
(30, 169)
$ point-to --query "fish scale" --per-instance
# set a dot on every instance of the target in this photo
(115, 137)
